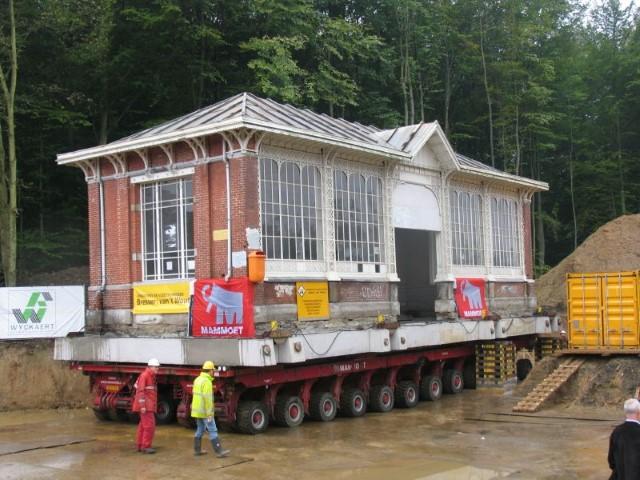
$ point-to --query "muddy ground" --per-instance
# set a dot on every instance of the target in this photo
(468, 436)
(32, 379)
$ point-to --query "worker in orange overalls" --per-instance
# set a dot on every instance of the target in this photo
(145, 403)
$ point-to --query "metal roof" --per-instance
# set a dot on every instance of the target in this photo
(408, 139)
(247, 107)
(249, 111)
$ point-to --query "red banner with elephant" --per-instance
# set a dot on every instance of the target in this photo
(223, 309)
(470, 298)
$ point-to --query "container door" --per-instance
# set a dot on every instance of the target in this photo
(620, 310)
(583, 311)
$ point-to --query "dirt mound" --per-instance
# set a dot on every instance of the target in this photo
(600, 382)
(613, 247)
(32, 379)
(68, 276)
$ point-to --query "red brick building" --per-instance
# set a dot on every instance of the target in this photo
(388, 217)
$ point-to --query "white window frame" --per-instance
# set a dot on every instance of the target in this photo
(294, 209)
(360, 224)
(327, 266)
(467, 228)
(506, 234)
(184, 256)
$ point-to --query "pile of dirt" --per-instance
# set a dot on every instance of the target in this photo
(614, 247)
(68, 276)
(32, 379)
(599, 382)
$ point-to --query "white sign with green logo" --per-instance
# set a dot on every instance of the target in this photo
(40, 312)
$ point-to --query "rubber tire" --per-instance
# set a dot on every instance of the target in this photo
(102, 415)
(469, 375)
(165, 411)
(122, 415)
(317, 407)
(246, 420)
(452, 381)
(406, 394)
(133, 417)
(282, 413)
(113, 415)
(427, 391)
(523, 367)
(349, 400)
(377, 397)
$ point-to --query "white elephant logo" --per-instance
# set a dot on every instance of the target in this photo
(229, 305)
(471, 294)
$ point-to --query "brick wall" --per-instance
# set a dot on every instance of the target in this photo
(93, 206)
(201, 221)
(123, 219)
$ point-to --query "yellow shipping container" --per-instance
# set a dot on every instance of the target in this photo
(602, 310)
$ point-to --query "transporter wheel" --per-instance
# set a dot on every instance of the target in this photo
(406, 394)
(452, 381)
(381, 398)
(252, 417)
(469, 375)
(102, 414)
(114, 415)
(523, 367)
(431, 388)
(133, 417)
(323, 407)
(122, 415)
(289, 411)
(183, 415)
(353, 402)
(166, 411)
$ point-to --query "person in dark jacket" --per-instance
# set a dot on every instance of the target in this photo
(624, 444)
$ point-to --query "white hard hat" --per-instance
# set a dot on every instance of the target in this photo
(153, 362)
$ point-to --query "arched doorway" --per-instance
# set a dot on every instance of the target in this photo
(417, 223)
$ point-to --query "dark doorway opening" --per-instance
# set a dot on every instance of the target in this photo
(417, 267)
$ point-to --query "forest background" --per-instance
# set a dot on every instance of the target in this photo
(548, 89)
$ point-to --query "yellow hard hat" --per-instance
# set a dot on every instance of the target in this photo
(208, 365)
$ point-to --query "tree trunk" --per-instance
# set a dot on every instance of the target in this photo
(571, 189)
(8, 191)
(447, 92)
(517, 138)
(421, 93)
(486, 89)
(623, 205)
(540, 247)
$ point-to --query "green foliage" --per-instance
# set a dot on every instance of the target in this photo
(278, 76)
(556, 85)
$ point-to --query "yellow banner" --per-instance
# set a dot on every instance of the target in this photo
(313, 300)
(161, 298)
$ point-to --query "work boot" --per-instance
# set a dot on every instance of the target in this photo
(220, 452)
(197, 446)
(149, 450)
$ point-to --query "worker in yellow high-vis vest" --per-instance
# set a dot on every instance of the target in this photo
(202, 410)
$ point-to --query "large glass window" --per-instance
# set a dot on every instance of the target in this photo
(167, 230)
(291, 206)
(466, 228)
(358, 218)
(505, 232)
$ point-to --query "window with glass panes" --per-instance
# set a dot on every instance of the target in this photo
(291, 208)
(358, 217)
(466, 228)
(167, 230)
(505, 232)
